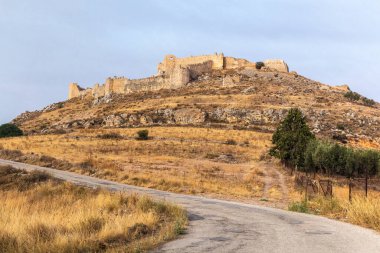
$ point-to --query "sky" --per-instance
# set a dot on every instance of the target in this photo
(45, 45)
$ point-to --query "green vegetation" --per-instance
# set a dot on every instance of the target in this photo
(368, 102)
(340, 126)
(110, 136)
(143, 135)
(10, 130)
(259, 65)
(297, 147)
(332, 158)
(300, 207)
(291, 138)
(353, 96)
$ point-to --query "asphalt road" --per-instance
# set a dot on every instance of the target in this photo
(224, 226)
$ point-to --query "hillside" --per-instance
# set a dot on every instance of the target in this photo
(241, 98)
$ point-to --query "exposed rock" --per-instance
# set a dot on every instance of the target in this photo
(189, 116)
(113, 121)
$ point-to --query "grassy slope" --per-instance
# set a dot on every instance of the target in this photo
(178, 159)
(38, 214)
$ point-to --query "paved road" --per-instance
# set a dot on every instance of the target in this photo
(223, 226)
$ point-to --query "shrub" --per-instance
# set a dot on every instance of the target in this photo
(340, 137)
(368, 102)
(340, 126)
(143, 135)
(259, 65)
(353, 96)
(10, 130)
(300, 207)
(110, 136)
(231, 142)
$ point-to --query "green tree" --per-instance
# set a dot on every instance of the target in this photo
(291, 138)
(259, 65)
(10, 130)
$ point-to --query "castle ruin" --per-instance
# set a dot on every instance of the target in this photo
(172, 73)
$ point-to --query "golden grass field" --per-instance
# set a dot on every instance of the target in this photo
(213, 162)
(221, 163)
(39, 214)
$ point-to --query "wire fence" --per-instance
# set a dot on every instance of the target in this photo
(317, 186)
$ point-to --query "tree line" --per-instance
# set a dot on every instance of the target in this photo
(297, 147)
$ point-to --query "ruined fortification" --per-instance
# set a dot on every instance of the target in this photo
(172, 73)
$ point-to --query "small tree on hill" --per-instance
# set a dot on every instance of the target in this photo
(291, 139)
(259, 65)
(10, 130)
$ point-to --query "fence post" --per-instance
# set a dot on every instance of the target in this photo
(350, 190)
(329, 189)
(306, 185)
(366, 183)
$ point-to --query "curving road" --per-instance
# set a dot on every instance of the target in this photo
(223, 226)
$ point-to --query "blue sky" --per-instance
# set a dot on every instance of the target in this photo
(44, 45)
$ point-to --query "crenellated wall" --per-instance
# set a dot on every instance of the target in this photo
(173, 73)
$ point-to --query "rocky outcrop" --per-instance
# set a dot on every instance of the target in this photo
(189, 116)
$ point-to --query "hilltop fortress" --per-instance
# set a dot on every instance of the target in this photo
(172, 73)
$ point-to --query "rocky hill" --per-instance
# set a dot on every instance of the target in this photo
(242, 98)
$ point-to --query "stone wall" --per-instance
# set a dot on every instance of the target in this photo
(200, 68)
(171, 61)
(74, 90)
(278, 65)
(173, 73)
(233, 63)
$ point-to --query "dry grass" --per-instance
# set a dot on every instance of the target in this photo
(38, 214)
(361, 211)
(179, 159)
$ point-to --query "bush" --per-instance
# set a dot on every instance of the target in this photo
(353, 96)
(231, 142)
(10, 130)
(340, 126)
(368, 102)
(110, 136)
(300, 207)
(259, 65)
(143, 135)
